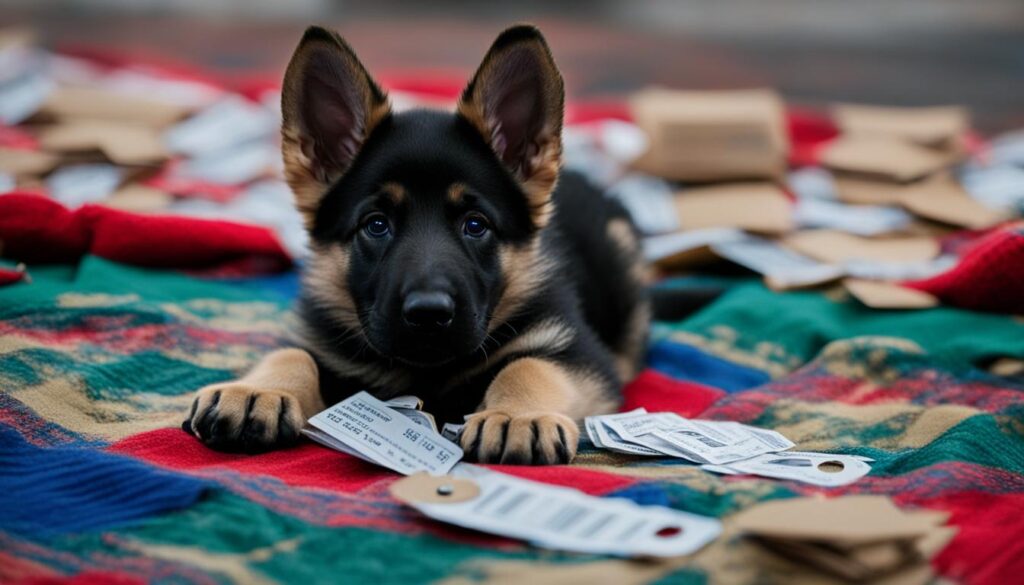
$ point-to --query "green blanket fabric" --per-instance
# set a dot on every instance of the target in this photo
(101, 360)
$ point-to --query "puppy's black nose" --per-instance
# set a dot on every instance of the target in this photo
(436, 309)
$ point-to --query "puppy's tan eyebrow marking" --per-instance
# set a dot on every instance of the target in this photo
(455, 193)
(394, 191)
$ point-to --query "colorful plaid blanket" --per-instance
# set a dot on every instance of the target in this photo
(98, 483)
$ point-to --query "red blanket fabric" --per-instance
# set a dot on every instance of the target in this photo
(989, 276)
(36, 229)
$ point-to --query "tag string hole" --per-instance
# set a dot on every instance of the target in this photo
(669, 532)
(831, 466)
(445, 489)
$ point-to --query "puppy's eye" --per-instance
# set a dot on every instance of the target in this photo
(376, 226)
(475, 226)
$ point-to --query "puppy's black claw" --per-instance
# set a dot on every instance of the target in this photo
(561, 452)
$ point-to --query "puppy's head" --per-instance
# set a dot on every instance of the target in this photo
(425, 225)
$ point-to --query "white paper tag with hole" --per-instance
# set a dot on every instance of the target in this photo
(368, 428)
(822, 469)
(567, 519)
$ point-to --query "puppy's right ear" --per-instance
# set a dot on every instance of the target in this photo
(329, 106)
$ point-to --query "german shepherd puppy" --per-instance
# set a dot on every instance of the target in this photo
(445, 263)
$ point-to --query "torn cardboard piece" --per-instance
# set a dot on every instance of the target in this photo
(858, 538)
(123, 144)
(860, 190)
(888, 295)
(945, 201)
(140, 199)
(882, 157)
(26, 163)
(712, 135)
(846, 521)
(752, 206)
(937, 126)
(835, 247)
(890, 557)
(88, 103)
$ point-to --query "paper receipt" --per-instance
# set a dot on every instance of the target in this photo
(369, 428)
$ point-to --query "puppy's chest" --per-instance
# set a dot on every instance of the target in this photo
(449, 393)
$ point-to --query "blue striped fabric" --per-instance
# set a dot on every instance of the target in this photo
(684, 362)
(51, 491)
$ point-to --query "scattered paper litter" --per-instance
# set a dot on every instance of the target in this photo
(668, 247)
(721, 446)
(999, 187)
(863, 220)
(22, 97)
(649, 201)
(783, 268)
(813, 183)
(227, 123)
(237, 165)
(75, 185)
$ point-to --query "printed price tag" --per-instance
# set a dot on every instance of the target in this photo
(370, 429)
(822, 469)
(558, 517)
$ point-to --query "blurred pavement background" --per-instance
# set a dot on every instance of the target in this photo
(896, 52)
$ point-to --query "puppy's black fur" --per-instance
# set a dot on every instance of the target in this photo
(585, 286)
(446, 264)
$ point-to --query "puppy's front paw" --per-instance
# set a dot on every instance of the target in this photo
(240, 417)
(545, 438)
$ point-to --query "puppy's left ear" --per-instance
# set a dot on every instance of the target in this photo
(515, 100)
(329, 107)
